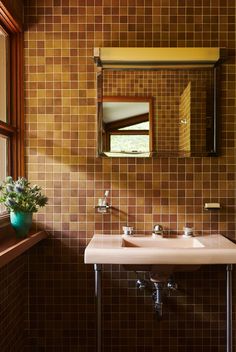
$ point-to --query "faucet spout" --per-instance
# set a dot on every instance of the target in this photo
(158, 230)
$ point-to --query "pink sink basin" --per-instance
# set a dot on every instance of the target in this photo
(159, 242)
(123, 249)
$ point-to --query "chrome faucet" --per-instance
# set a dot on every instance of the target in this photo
(128, 230)
(158, 230)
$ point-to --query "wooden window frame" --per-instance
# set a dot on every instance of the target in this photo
(14, 127)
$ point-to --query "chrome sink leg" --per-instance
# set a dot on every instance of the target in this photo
(98, 295)
(229, 269)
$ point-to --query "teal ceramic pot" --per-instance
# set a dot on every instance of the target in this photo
(21, 222)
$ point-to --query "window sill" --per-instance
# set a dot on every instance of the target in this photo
(12, 247)
(4, 220)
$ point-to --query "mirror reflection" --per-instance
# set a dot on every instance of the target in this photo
(126, 125)
(157, 112)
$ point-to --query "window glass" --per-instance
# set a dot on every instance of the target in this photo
(3, 157)
(3, 74)
(3, 162)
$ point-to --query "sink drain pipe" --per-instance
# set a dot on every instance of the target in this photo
(229, 269)
(157, 298)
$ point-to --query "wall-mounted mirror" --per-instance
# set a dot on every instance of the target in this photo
(157, 111)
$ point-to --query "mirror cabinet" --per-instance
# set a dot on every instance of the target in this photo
(157, 102)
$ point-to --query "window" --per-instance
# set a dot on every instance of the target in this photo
(4, 51)
(11, 97)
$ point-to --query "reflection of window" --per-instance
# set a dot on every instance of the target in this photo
(126, 124)
(130, 143)
(11, 88)
(130, 138)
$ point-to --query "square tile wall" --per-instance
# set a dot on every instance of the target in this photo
(60, 89)
(13, 305)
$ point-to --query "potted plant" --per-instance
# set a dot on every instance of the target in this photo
(21, 200)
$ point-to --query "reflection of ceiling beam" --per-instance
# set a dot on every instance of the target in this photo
(130, 132)
(126, 122)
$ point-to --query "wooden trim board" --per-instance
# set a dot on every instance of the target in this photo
(12, 247)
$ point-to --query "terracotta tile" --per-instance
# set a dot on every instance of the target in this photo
(61, 155)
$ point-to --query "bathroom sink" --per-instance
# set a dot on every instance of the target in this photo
(123, 249)
(159, 242)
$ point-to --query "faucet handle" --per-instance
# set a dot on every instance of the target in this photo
(158, 230)
(188, 231)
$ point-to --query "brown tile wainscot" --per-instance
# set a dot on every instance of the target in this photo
(12, 247)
